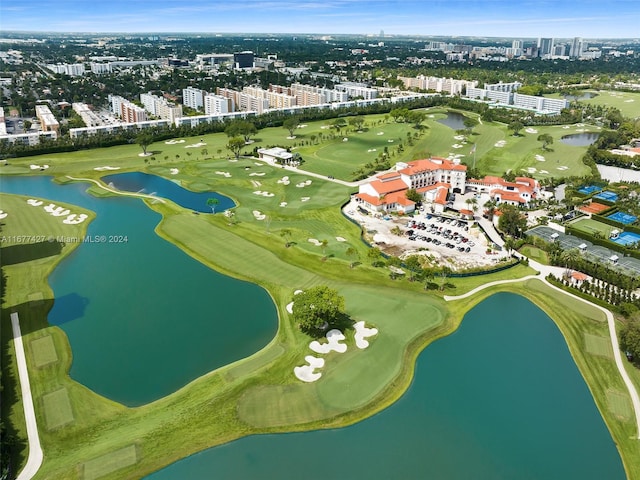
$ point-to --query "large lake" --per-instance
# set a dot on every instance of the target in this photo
(501, 398)
(143, 318)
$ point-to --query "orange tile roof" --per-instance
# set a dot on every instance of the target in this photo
(509, 196)
(389, 186)
(428, 164)
(579, 276)
(370, 199)
(387, 176)
(434, 186)
(399, 198)
(441, 196)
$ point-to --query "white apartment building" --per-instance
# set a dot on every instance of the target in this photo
(193, 98)
(48, 122)
(160, 107)
(100, 68)
(71, 69)
(29, 139)
(274, 99)
(217, 104)
(127, 111)
(540, 104)
(357, 90)
(503, 87)
(89, 118)
(438, 84)
(498, 96)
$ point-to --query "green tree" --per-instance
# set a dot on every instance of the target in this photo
(339, 124)
(516, 127)
(356, 122)
(241, 128)
(511, 222)
(212, 202)
(374, 254)
(286, 234)
(546, 140)
(317, 309)
(352, 253)
(413, 265)
(630, 338)
(291, 124)
(469, 124)
(235, 145)
(413, 195)
(144, 139)
(416, 117)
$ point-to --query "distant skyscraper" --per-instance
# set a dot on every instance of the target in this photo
(577, 47)
(381, 33)
(545, 46)
(517, 44)
(560, 50)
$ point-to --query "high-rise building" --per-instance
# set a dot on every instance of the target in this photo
(217, 104)
(193, 98)
(577, 47)
(545, 47)
(517, 44)
(243, 59)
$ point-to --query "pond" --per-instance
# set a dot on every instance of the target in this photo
(154, 185)
(582, 96)
(453, 120)
(580, 139)
(499, 398)
(143, 318)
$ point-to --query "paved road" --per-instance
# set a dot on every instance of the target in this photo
(35, 451)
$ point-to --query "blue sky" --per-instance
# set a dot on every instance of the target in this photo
(528, 18)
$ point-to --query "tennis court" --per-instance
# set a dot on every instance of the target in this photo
(627, 238)
(622, 217)
(607, 195)
(589, 189)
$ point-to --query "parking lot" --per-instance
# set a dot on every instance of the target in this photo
(458, 243)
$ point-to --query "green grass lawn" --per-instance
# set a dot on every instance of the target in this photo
(535, 253)
(590, 226)
(627, 102)
(259, 394)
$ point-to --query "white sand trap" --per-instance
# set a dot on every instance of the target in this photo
(257, 174)
(305, 199)
(315, 241)
(324, 127)
(283, 204)
(362, 333)
(563, 168)
(307, 182)
(195, 145)
(530, 130)
(459, 137)
(291, 137)
(74, 219)
(60, 212)
(173, 142)
(456, 145)
(540, 158)
(258, 164)
(566, 127)
(629, 101)
(289, 307)
(174, 171)
(259, 215)
(580, 130)
(148, 154)
(34, 203)
(390, 141)
(301, 185)
(233, 160)
(50, 208)
(543, 171)
(258, 192)
(267, 194)
(341, 239)
(105, 168)
(306, 373)
(255, 183)
(345, 139)
(3, 214)
(380, 133)
(34, 167)
(298, 292)
(224, 174)
(532, 170)
(334, 337)
(500, 143)
(284, 180)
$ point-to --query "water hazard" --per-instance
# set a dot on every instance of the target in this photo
(142, 317)
(500, 398)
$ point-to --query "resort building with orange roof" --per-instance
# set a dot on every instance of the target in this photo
(433, 178)
(519, 192)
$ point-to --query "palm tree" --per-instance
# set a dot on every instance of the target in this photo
(286, 234)
(569, 257)
(212, 202)
(323, 245)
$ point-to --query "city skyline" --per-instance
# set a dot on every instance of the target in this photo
(486, 18)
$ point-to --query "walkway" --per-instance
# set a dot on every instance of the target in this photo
(545, 270)
(117, 192)
(35, 451)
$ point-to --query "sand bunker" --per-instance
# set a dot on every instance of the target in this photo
(34, 203)
(283, 204)
(380, 133)
(258, 164)
(315, 241)
(459, 137)
(334, 337)
(255, 183)
(289, 307)
(340, 239)
(500, 143)
(530, 130)
(345, 139)
(173, 142)
(196, 145)
(267, 194)
(38, 167)
(563, 168)
(629, 101)
(543, 171)
(284, 180)
(3, 214)
(390, 141)
(298, 292)
(540, 158)
(305, 199)
(372, 150)
(105, 168)
(307, 373)
(259, 215)
(257, 174)
(362, 333)
(532, 170)
(174, 171)
(74, 219)
(148, 154)
(456, 145)
(224, 174)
